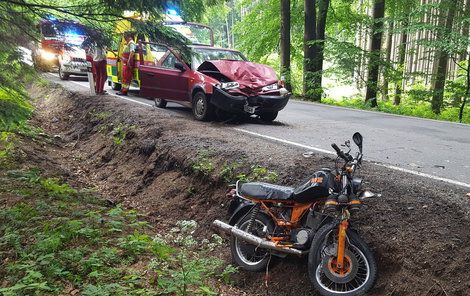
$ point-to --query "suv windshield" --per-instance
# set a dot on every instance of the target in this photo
(201, 55)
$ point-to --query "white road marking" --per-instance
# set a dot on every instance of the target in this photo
(423, 175)
(110, 94)
(282, 141)
(416, 173)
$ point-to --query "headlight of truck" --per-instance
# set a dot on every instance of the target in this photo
(228, 85)
(270, 87)
(47, 55)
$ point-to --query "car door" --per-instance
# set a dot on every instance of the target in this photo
(164, 80)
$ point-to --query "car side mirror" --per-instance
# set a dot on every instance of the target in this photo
(180, 66)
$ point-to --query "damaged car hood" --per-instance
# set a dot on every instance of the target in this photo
(247, 74)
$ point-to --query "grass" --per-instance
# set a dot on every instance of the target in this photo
(416, 109)
(55, 239)
(14, 109)
(231, 172)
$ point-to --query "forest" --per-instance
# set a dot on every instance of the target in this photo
(398, 56)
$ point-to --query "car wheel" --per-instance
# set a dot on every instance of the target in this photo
(115, 86)
(268, 116)
(203, 110)
(160, 103)
(63, 75)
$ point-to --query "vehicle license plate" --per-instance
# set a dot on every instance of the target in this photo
(250, 109)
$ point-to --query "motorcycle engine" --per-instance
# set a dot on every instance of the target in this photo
(302, 237)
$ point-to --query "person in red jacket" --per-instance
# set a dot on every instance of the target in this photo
(127, 59)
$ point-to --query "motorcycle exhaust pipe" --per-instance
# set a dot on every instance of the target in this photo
(257, 241)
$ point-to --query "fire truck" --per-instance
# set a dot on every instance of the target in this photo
(60, 48)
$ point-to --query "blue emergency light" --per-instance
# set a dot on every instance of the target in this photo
(172, 12)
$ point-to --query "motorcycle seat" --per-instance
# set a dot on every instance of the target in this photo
(260, 190)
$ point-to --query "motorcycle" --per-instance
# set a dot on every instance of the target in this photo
(309, 220)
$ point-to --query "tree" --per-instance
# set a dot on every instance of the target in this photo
(285, 42)
(442, 57)
(401, 63)
(374, 59)
(314, 44)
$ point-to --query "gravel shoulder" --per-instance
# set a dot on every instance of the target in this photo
(145, 158)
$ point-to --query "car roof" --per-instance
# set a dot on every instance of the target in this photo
(212, 48)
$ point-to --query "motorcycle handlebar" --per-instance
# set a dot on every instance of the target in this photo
(340, 153)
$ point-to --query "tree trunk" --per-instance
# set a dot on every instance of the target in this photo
(467, 91)
(285, 43)
(309, 48)
(401, 65)
(319, 49)
(374, 61)
(442, 58)
(388, 55)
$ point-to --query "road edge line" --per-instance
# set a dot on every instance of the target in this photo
(108, 94)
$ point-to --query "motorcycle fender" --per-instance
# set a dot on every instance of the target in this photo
(242, 208)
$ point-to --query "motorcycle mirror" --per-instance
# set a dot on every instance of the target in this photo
(357, 138)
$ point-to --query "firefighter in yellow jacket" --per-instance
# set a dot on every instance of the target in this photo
(128, 61)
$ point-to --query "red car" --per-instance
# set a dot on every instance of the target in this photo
(217, 79)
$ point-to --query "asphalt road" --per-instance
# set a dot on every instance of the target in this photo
(432, 149)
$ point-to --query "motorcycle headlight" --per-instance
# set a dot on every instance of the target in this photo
(270, 87)
(47, 55)
(356, 185)
(228, 85)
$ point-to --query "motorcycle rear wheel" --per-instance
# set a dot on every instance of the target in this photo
(361, 268)
(246, 255)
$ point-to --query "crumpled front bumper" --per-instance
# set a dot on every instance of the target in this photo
(251, 105)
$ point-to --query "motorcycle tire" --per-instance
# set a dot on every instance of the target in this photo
(361, 270)
(248, 256)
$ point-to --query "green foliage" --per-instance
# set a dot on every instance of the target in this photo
(52, 185)
(258, 173)
(228, 172)
(50, 244)
(203, 163)
(186, 272)
(409, 108)
(6, 144)
(103, 115)
(120, 133)
(14, 109)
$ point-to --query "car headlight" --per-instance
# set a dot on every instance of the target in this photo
(270, 87)
(228, 85)
(47, 55)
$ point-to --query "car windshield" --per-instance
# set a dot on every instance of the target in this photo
(201, 55)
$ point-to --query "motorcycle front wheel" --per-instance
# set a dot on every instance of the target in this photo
(249, 257)
(359, 272)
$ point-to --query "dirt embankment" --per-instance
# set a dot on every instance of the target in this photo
(145, 158)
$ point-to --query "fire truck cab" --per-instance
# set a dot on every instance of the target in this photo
(61, 48)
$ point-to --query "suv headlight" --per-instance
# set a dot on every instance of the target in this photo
(270, 87)
(228, 85)
(47, 55)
